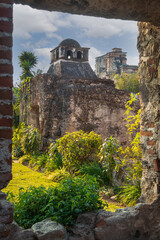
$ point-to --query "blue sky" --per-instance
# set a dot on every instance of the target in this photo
(40, 31)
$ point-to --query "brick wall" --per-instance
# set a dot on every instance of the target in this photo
(6, 71)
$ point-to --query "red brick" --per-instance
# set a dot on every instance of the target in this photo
(157, 165)
(6, 26)
(6, 12)
(6, 68)
(6, 133)
(9, 161)
(5, 177)
(6, 82)
(5, 94)
(150, 151)
(146, 133)
(151, 125)
(6, 55)
(6, 122)
(101, 223)
(150, 61)
(150, 143)
(7, 41)
(7, 1)
(6, 110)
(5, 233)
(152, 70)
(10, 147)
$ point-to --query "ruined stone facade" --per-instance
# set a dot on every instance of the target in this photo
(114, 62)
(70, 98)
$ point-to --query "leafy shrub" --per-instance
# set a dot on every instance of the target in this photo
(131, 158)
(59, 175)
(16, 106)
(96, 170)
(31, 206)
(62, 203)
(25, 159)
(79, 147)
(30, 141)
(132, 154)
(38, 162)
(129, 194)
(128, 82)
(109, 155)
(55, 158)
(26, 140)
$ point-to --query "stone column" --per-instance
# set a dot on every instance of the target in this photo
(149, 69)
(6, 71)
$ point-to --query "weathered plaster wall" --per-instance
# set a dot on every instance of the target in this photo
(59, 105)
(149, 69)
(6, 70)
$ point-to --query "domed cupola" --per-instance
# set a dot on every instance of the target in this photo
(70, 61)
(69, 43)
(69, 49)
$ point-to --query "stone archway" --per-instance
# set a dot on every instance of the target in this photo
(149, 48)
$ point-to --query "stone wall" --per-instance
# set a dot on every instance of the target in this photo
(63, 105)
(6, 70)
(149, 69)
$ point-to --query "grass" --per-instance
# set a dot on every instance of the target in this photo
(24, 177)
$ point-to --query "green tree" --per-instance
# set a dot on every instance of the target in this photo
(127, 81)
(27, 61)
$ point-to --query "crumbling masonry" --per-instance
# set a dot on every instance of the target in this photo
(70, 97)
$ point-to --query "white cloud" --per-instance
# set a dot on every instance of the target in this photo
(28, 21)
(43, 55)
(93, 53)
(43, 52)
(132, 60)
(101, 27)
(43, 65)
(54, 35)
(27, 45)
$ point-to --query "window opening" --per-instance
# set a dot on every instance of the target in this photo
(79, 55)
(69, 54)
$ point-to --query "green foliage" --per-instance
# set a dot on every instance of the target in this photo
(26, 140)
(62, 203)
(127, 81)
(27, 61)
(16, 106)
(131, 158)
(16, 143)
(30, 141)
(25, 159)
(55, 158)
(39, 161)
(132, 154)
(96, 170)
(79, 147)
(129, 194)
(109, 155)
(59, 175)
